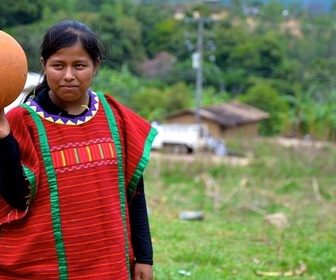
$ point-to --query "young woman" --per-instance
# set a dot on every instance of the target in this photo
(72, 202)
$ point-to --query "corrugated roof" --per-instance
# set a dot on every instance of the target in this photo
(236, 113)
(228, 114)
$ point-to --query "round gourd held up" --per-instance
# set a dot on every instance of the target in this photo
(13, 69)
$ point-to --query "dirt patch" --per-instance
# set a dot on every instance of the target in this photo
(309, 143)
(227, 160)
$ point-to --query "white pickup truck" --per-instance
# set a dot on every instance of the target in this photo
(180, 138)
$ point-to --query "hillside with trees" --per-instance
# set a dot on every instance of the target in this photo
(279, 60)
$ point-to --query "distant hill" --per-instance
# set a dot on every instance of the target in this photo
(313, 5)
(316, 6)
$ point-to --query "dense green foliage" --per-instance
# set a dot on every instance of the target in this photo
(13, 13)
(280, 62)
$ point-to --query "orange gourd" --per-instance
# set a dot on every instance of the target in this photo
(13, 69)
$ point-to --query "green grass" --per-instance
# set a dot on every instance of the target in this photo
(234, 241)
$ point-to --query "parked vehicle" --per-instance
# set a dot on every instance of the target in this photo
(181, 138)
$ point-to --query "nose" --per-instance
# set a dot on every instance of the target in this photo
(68, 75)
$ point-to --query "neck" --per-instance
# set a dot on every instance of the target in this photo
(73, 107)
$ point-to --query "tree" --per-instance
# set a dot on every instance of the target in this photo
(301, 111)
(122, 85)
(260, 56)
(14, 13)
(309, 114)
(166, 36)
(227, 37)
(272, 11)
(121, 34)
(263, 96)
(150, 16)
(153, 103)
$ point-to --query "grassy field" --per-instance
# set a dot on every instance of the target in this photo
(238, 239)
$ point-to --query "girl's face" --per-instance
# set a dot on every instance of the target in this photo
(69, 73)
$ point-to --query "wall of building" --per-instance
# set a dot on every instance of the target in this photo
(217, 131)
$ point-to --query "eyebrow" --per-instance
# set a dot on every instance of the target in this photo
(62, 60)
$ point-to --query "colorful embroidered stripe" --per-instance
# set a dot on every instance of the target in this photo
(112, 150)
(88, 153)
(63, 158)
(101, 151)
(72, 156)
(76, 156)
(54, 198)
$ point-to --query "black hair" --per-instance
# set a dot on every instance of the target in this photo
(65, 34)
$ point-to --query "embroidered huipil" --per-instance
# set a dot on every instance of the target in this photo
(82, 173)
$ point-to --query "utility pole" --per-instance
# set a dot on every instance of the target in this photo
(199, 69)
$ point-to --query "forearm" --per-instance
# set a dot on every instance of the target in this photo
(13, 184)
(141, 237)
